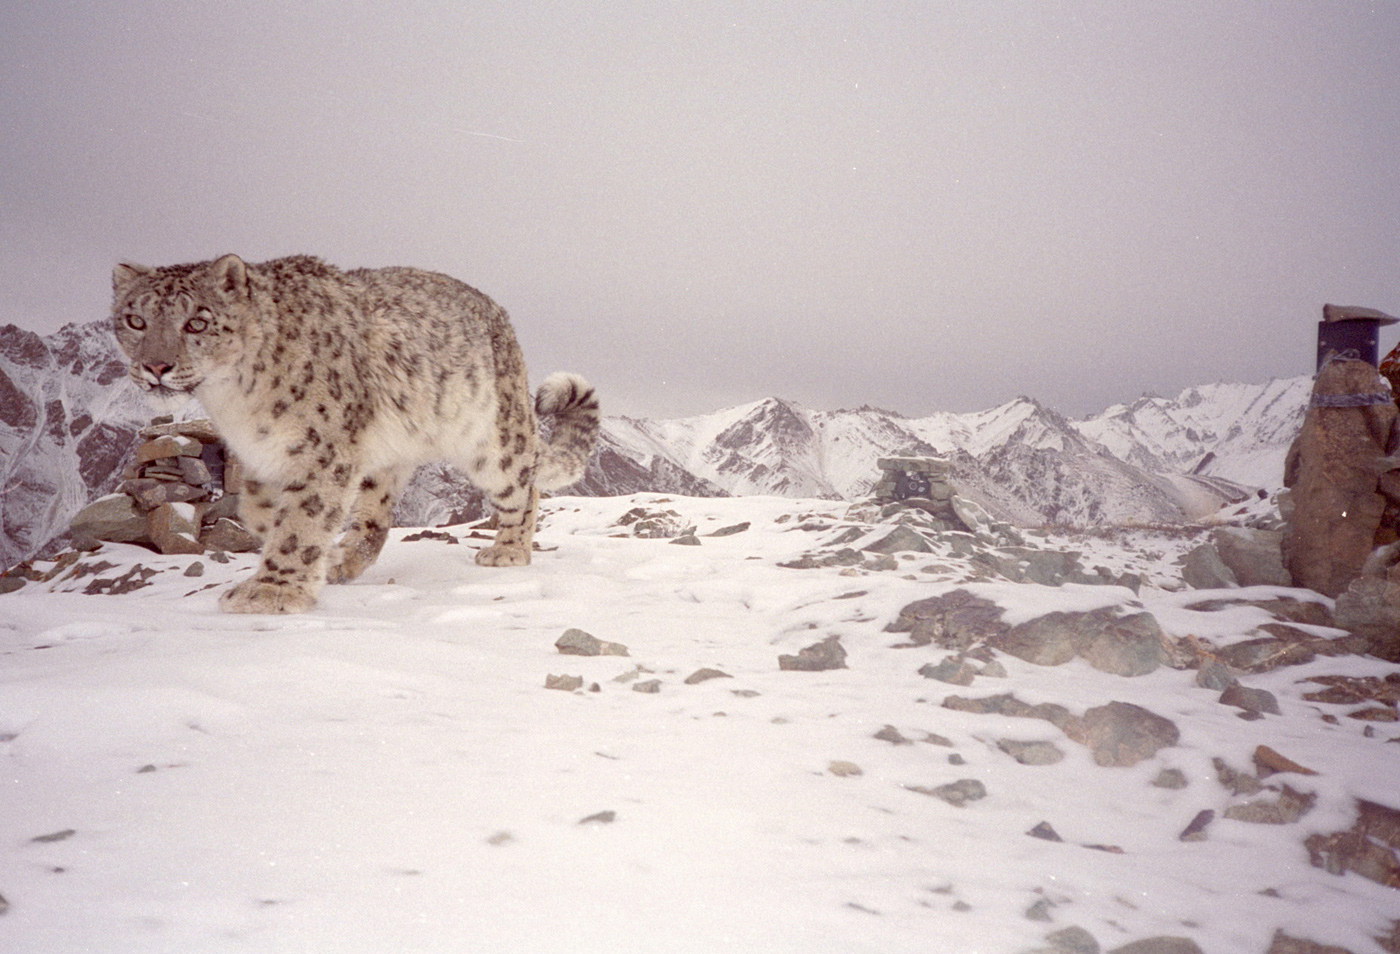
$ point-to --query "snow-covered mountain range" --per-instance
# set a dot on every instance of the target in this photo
(68, 419)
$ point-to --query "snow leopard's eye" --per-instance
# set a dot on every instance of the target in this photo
(197, 325)
(135, 322)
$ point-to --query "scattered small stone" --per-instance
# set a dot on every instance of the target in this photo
(1040, 911)
(1268, 762)
(956, 759)
(686, 540)
(575, 642)
(650, 686)
(599, 818)
(729, 531)
(827, 654)
(195, 569)
(1170, 778)
(145, 769)
(565, 683)
(63, 835)
(1044, 832)
(500, 838)
(1250, 700)
(892, 735)
(1031, 753)
(746, 693)
(933, 738)
(219, 556)
(994, 670)
(1196, 831)
(704, 675)
(844, 769)
(1290, 806)
(957, 793)
(1374, 714)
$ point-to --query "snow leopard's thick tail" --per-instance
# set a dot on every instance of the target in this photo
(572, 404)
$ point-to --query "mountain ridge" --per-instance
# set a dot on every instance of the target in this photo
(68, 419)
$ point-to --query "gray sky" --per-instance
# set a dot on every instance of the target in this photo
(922, 205)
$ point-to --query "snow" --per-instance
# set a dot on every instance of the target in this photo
(388, 772)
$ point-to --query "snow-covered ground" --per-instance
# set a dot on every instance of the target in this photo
(389, 772)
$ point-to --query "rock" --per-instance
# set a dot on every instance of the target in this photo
(844, 769)
(649, 686)
(956, 620)
(957, 793)
(1170, 778)
(174, 528)
(195, 569)
(1370, 605)
(1284, 944)
(704, 675)
(115, 517)
(1253, 557)
(729, 531)
(892, 735)
(168, 446)
(1202, 569)
(1196, 830)
(1263, 655)
(1128, 645)
(1238, 783)
(1335, 506)
(1214, 674)
(827, 654)
(901, 539)
(1123, 734)
(686, 540)
(1250, 700)
(1288, 807)
(1031, 753)
(1040, 911)
(575, 642)
(1008, 705)
(1044, 832)
(1072, 940)
(224, 534)
(1160, 945)
(1047, 640)
(955, 670)
(1370, 848)
(1268, 762)
(566, 683)
(599, 818)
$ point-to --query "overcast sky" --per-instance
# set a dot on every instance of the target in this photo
(923, 205)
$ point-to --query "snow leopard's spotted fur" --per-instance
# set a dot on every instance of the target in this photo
(332, 386)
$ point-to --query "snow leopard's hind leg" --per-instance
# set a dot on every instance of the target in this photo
(371, 516)
(504, 467)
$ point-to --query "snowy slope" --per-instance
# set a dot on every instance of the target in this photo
(389, 774)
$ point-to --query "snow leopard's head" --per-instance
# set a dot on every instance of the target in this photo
(179, 324)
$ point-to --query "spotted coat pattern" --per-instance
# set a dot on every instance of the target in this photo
(332, 386)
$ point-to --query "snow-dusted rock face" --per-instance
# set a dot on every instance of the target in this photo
(67, 422)
(68, 418)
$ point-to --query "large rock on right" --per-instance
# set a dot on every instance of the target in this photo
(1370, 606)
(1333, 473)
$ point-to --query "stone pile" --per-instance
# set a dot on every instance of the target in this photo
(178, 495)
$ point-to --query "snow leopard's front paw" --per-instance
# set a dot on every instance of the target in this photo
(498, 555)
(260, 596)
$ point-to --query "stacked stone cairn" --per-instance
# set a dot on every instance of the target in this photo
(178, 495)
(918, 482)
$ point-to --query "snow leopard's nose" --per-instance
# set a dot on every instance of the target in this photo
(157, 370)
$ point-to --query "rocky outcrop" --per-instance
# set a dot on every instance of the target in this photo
(1334, 506)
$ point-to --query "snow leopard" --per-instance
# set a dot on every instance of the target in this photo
(331, 386)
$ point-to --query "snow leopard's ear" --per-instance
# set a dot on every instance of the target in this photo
(127, 272)
(230, 276)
